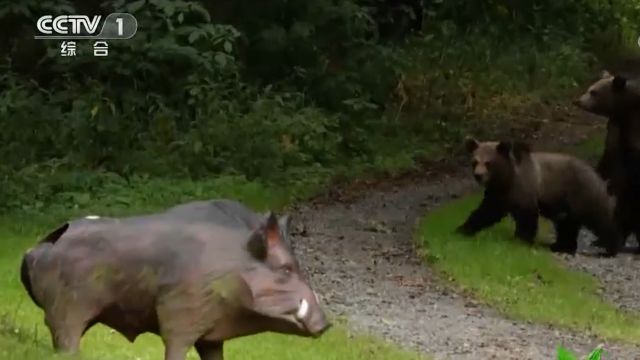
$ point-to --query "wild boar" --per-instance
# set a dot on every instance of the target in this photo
(196, 275)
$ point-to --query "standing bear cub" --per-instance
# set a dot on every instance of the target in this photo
(526, 184)
(618, 98)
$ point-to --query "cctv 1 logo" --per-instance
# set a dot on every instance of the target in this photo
(114, 26)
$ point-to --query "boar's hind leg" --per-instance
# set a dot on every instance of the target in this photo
(66, 332)
(209, 350)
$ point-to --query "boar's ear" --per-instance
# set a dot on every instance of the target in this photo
(605, 74)
(283, 223)
(266, 236)
(272, 229)
(257, 244)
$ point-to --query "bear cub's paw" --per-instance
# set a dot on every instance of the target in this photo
(598, 243)
(559, 248)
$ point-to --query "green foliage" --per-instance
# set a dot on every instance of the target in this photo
(207, 88)
(595, 354)
(583, 18)
(564, 354)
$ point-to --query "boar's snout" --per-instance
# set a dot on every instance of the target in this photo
(318, 325)
(312, 317)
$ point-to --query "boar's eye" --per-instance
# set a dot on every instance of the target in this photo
(287, 269)
(474, 163)
(593, 92)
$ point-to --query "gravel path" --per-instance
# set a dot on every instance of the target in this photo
(361, 259)
(620, 277)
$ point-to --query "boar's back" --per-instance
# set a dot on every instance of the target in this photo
(131, 246)
(219, 211)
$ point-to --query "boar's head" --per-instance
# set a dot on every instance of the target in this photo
(280, 292)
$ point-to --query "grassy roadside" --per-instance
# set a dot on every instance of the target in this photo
(524, 283)
(24, 336)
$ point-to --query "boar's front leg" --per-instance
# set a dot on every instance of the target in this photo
(209, 350)
(175, 350)
(181, 321)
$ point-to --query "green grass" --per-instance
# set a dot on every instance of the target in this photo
(520, 281)
(22, 331)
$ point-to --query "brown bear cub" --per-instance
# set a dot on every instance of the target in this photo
(613, 97)
(526, 184)
(618, 99)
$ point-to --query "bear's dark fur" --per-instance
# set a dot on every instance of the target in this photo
(527, 184)
(618, 99)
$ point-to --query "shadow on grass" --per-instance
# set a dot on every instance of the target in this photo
(30, 342)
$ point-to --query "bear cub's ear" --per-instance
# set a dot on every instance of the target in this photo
(520, 149)
(504, 148)
(471, 144)
(618, 84)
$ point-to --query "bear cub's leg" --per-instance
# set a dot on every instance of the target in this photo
(626, 212)
(607, 232)
(490, 212)
(567, 230)
(526, 224)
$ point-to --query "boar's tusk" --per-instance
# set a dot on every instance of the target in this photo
(92, 217)
(302, 310)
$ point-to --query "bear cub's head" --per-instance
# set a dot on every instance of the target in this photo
(608, 95)
(494, 162)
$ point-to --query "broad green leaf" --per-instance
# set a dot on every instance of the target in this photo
(595, 354)
(197, 147)
(221, 59)
(194, 36)
(228, 47)
(169, 9)
(200, 10)
(94, 111)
